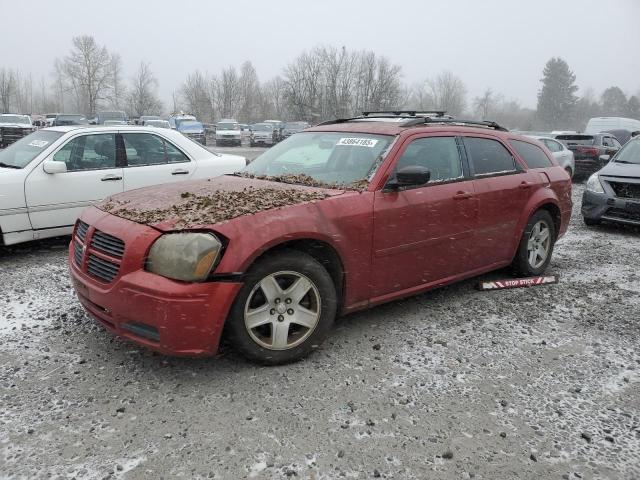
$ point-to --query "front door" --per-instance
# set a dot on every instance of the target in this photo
(152, 160)
(56, 200)
(423, 234)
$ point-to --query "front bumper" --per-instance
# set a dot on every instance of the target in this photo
(228, 140)
(608, 208)
(262, 140)
(198, 137)
(171, 317)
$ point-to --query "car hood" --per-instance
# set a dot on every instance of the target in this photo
(201, 203)
(615, 169)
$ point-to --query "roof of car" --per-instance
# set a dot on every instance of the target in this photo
(100, 128)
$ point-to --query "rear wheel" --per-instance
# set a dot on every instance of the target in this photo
(536, 246)
(284, 310)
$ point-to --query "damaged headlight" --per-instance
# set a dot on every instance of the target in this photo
(594, 185)
(184, 256)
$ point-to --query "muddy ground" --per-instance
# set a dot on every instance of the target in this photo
(530, 383)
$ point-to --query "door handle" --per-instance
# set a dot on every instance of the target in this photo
(462, 195)
(110, 178)
(524, 185)
(180, 171)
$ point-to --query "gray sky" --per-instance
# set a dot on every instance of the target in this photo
(502, 44)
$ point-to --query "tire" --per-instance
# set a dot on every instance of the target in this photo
(569, 171)
(590, 222)
(252, 144)
(217, 143)
(273, 309)
(526, 262)
(204, 141)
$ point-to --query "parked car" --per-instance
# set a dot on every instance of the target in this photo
(111, 123)
(63, 119)
(602, 124)
(622, 135)
(228, 132)
(120, 116)
(613, 193)
(14, 127)
(262, 134)
(278, 126)
(48, 177)
(194, 130)
(590, 152)
(50, 117)
(145, 118)
(174, 120)
(293, 127)
(157, 123)
(560, 152)
(340, 217)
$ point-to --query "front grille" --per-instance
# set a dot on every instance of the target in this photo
(626, 190)
(77, 253)
(105, 243)
(81, 230)
(102, 269)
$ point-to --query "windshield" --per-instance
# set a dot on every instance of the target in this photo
(71, 120)
(576, 139)
(15, 119)
(262, 127)
(190, 125)
(227, 126)
(324, 157)
(20, 153)
(113, 115)
(630, 153)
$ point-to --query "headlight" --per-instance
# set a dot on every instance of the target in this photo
(594, 185)
(184, 256)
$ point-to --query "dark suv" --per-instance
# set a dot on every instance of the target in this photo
(613, 193)
(590, 152)
(346, 215)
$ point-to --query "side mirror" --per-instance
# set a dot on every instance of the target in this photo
(411, 176)
(605, 158)
(54, 166)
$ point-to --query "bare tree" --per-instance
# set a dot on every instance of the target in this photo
(195, 93)
(7, 88)
(249, 87)
(143, 97)
(118, 93)
(448, 92)
(485, 104)
(228, 93)
(88, 70)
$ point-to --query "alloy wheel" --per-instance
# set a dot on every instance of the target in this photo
(282, 310)
(539, 244)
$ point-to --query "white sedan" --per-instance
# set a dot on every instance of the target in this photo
(560, 152)
(48, 177)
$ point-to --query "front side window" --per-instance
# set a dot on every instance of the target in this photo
(439, 155)
(89, 152)
(488, 156)
(532, 155)
(325, 157)
(606, 142)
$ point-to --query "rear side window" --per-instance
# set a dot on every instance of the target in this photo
(553, 145)
(488, 156)
(532, 155)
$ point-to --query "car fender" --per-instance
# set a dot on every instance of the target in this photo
(543, 196)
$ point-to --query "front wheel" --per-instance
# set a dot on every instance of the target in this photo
(284, 310)
(536, 246)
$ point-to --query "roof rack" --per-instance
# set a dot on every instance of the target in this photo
(455, 121)
(402, 113)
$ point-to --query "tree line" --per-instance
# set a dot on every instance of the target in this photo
(320, 84)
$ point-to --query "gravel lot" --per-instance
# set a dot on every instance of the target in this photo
(529, 383)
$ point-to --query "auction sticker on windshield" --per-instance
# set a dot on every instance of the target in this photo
(38, 143)
(358, 142)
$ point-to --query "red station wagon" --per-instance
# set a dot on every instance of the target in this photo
(343, 216)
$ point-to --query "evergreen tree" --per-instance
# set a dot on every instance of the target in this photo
(633, 107)
(614, 102)
(556, 98)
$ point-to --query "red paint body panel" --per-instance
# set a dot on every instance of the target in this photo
(390, 244)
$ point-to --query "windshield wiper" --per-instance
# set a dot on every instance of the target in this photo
(624, 161)
(6, 165)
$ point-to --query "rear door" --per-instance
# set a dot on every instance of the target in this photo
(152, 160)
(502, 187)
(424, 234)
(56, 200)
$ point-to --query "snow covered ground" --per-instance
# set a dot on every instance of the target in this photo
(455, 383)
